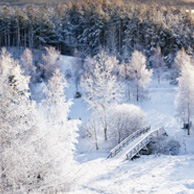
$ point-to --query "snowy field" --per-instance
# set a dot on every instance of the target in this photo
(147, 174)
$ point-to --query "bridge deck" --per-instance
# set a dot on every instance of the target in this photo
(138, 143)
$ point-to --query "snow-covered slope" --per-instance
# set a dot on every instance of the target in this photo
(148, 174)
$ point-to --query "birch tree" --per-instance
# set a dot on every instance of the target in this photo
(100, 86)
(125, 73)
(27, 65)
(181, 60)
(158, 64)
(51, 61)
(184, 100)
(139, 74)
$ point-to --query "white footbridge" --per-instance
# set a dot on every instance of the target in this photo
(133, 144)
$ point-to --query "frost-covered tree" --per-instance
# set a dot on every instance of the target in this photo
(27, 60)
(27, 64)
(91, 129)
(36, 147)
(139, 74)
(181, 60)
(124, 120)
(77, 72)
(158, 64)
(51, 61)
(59, 136)
(184, 100)
(18, 158)
(100, 86)
(90, 25)
(125, 72)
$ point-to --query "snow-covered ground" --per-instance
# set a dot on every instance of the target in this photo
(147, 174)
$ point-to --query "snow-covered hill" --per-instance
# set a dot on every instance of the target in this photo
(148, 174)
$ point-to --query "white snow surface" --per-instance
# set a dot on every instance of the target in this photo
(162, 174)
(149, 174)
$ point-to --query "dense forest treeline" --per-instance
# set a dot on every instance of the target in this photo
(86, 27)
(186, 3)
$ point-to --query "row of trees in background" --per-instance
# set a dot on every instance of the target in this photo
(88, 26)
(36, 140)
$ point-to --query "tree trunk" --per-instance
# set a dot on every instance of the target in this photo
(188, 119)
(18, 35)
(158, 77)
(137, 92)
(104, 124)
(119, 140)
(96, 138)
(128, 92)
(105, 134)
(9, 37)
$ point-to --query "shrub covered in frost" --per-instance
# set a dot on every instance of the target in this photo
(164, 146)
(124, 120)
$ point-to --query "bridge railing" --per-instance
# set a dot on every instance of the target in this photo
(126, 141)
(143, 142)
